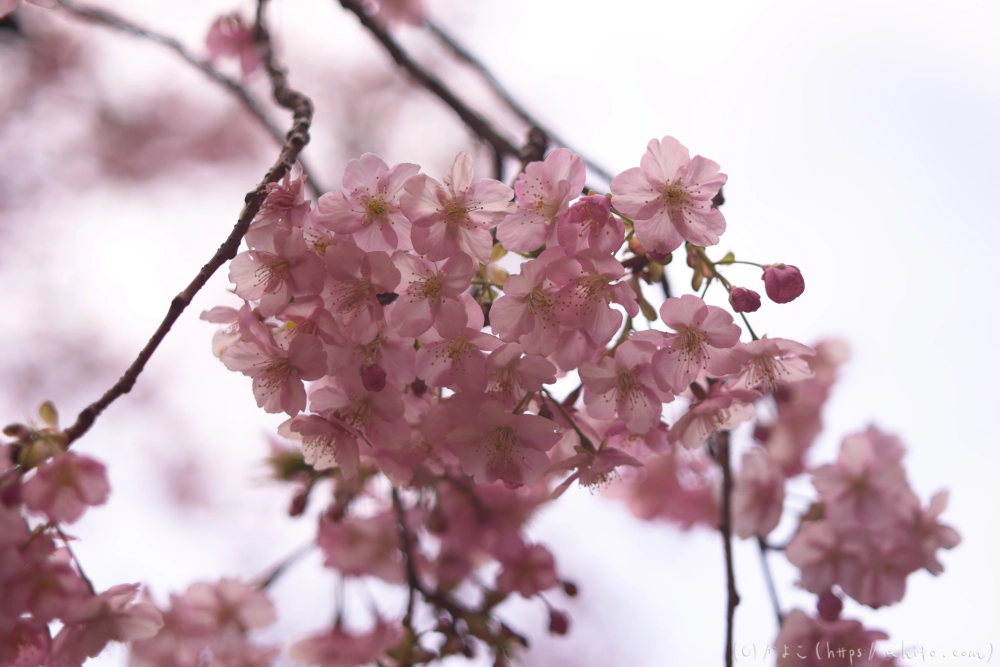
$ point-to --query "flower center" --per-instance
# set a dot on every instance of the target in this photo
(431, 288)
(674, 195)
(375, 209)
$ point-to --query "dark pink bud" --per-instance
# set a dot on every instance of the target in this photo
(783, 283)
(744, 300)
(829, 606)
(558, 622)
(373, 377)
(299, 502)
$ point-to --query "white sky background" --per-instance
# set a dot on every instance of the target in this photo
(861, 142)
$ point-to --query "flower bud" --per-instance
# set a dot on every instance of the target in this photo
(783, 283)
(829, 606)
(744, 300)
(558, 622)
(372, 377)
(660, 257)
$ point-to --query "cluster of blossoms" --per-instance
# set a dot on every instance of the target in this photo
(40, 581)
(428, 347)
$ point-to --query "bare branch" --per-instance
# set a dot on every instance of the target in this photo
(297, 137)
(467, 57)
(473, 120)
(115, 22)
(726, 527)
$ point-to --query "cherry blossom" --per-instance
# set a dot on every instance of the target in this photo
(772, 362)
(274, 278)
(455, 216)
(109, 617)
(589, 289)
(669, 196)
(363, 546)
(805, 641)
(624, 385)
(277, 371)
(458, 363)
(284, 209)
(26, 645)
(370, 211)
(719, 411)
(543, 192)
(326, 443)
(528, 311)
(744, 300)
(341, 648)
(432, 295)
(376, 414)
(230, 606)
(229, 37)
(499, 445)
(758, 495)
(589, 224)
(592, 468)
(527, 569)
(356, 278)
(65, 485)
(509, 375)
(706, 338)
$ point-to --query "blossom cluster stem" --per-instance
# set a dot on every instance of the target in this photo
(296, 139)
(584, 440)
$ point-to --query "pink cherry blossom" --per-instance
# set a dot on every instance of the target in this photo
(624, 385)
(681, 486)
(458, 362)
(430, 295)
(395, 354)
(509, 376)
(805, 641)
(455, 216)
(758, 495)
(592, 469)
(878, 578)
(706, 339)
(274, 278)
(783, 283)
(527, 570)
(284, 209)
(589, 224)
(26, 645)
(376, 414)
(356, 279)
(231, 607)
(326, 443)
(277, 371)
(341, 648)
(501, 446)
(370, 211)
(588, 292)
(669, 197)
(101, 619)
(744, 300)
(867, 484)
(718, 412)
(932, 535)
(773, 362)
(543, 192)
(358, 547)
(229, 37)
(65, 485)
(528, 311)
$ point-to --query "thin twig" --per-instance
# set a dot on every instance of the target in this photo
(275, 572)
(405, 546)
(464, 55)
(473, 120)
(297, 137)
(76, 561)
(726, 527)
(770, 581)
(115, 22)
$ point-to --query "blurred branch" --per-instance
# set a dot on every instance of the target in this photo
(297, 137)
(770, 581)
(468, 58)
(473, 120)
(726, 527)
(115, 22)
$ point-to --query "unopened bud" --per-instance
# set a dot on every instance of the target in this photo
(372, 377)
(570, 588)
(829, 606)
(299, 501)
(558, 622)
(783, 283)
(744, 300)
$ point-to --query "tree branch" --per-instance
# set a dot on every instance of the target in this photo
(770, 581)
(297, 137)
(726, 527)
(467, 57)
(473, 120)
(115, 22)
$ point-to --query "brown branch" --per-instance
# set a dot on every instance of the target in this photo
(115, 22)
(468, 58)
(473, 120)
(297, 137)
(411, 571)
(726, 527)
(770, 581)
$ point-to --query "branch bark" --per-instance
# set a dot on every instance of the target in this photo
(726, 527)
(297, 137)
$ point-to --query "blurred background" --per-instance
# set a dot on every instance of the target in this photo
(861, 143)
